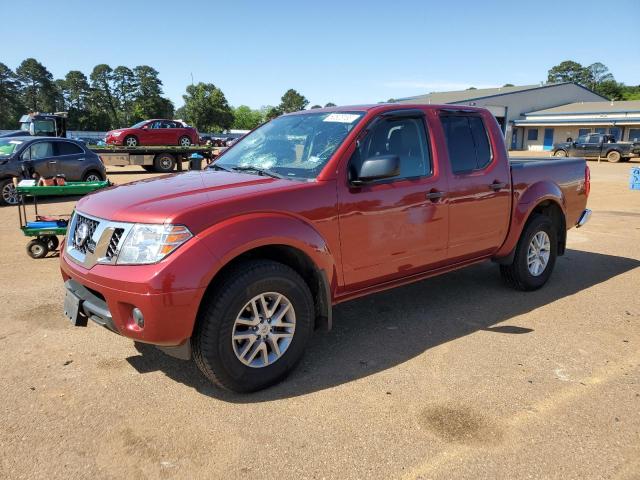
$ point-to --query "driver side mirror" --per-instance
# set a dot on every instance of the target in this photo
(378, 168)
(145, 127)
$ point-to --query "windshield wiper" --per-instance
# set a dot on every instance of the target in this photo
(218, 167)
(260, 171)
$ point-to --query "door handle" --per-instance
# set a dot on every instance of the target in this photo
(434, 195)
(497, 186)
(53, 161)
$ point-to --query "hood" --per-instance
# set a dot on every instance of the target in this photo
(117, 130)
(161, 199)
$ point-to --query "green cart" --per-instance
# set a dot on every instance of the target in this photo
(46, 229)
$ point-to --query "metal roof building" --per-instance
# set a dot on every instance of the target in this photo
(509, 104)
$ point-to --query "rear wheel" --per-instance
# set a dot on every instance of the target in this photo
(253, 330)
(8, 193)
(535, 255)
(164, 163)
(184, 141)
(52, 243)
(613, 156)
(37, 248)
(130, 141)
(560, 153)
(92, 176)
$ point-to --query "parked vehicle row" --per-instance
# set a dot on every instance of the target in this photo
(235, 266)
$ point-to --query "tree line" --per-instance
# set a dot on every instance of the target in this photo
(119, 97)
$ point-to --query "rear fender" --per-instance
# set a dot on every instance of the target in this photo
(526, 203)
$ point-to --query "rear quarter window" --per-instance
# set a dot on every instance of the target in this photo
(67, 148)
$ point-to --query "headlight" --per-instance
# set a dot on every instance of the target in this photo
(116, 134)
(151, 243)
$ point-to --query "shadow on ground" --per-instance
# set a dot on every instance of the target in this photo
(389, 328)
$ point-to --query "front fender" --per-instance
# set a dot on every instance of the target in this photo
(233, 237)
(526, 199)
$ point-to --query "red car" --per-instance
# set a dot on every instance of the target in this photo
(236, 265)
(154, 132)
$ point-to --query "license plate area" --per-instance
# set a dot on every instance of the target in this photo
(72, 309)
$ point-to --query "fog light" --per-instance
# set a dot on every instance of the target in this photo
(138, 317)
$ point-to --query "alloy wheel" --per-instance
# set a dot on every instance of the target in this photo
(9, 194)
(538, 253)
(264, 329)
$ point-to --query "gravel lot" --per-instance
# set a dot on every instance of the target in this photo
(453, 377)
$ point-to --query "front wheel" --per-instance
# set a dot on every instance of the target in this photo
(535, 255)
(130, 141)
(8, 193)
(560, 153)
(92, 176)
(253, 330)
(184, 141)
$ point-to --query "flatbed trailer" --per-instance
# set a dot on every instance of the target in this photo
(162, 159)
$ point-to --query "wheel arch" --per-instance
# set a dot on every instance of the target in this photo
(544, 198)
(298, 246)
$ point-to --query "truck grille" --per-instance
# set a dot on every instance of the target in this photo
(89, 245)
(113, 243)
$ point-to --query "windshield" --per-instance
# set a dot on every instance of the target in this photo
(8, 146)
(293, 146)
(139, 124)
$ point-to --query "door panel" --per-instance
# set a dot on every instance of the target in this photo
(479, 188)
(391, 229)
(70, 160)
(42, 158)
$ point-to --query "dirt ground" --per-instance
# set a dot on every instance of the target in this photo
(452, 377)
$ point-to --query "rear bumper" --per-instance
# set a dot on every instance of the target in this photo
(584, 218)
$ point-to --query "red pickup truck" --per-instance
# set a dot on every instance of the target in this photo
(236, 265)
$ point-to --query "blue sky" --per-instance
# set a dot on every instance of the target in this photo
(346, 52)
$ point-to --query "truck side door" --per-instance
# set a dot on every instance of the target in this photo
(479, 194)
(394, 227)
(593, 146)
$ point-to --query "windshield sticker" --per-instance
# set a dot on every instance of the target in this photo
(342, 117)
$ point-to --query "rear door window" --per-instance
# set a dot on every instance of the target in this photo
(467, 142)
(67, 148)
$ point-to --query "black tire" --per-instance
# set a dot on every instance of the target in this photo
(8, 195)
(130, 141)
(93, 176)
(560, 153)
(52, 243)
(517, 275)
(212, 344)
(37, 248)
(614, 156)
(164, 163)
(182, 141)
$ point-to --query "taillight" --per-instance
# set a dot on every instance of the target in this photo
(587, 180)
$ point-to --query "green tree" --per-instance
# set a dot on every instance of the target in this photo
(569, 71)
(598, 73)
(38, 90)
(206, 108)
(124, 91)
(244, 118)
(610, 89)
(630, 92)
(292, 101)
(10, 105)
(272, 112)
(313, 107)
(148, 100)
(103, 103)
(330, 105)
(75, 92)
(508, 85)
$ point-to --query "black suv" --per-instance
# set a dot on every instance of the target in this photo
(20, 157)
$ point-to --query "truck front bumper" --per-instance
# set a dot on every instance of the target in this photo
(168, 317)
